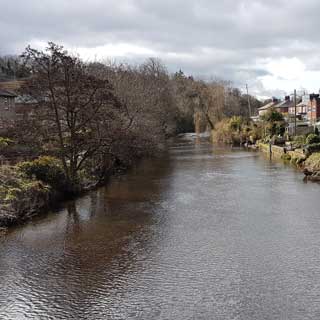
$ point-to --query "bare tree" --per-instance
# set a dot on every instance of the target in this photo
(74, 109)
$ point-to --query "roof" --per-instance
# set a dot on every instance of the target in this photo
(8, 88)
(284, 104)
(267, 106)
(11, 85)
(8, 94)
(281, 104)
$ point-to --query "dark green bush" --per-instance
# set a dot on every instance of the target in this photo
(47, 169)
(312, 139)
(311, 148)
(286, 157)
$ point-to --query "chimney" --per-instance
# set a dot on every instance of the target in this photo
(287, 98)
(314, 96)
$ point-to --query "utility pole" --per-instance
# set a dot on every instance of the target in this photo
(249, 104)
(295, 111)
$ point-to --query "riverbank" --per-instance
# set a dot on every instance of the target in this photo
(306, 161)
(30, 188)
(269, 135)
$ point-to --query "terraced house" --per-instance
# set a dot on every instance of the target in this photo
(284, 106)
(314, 108)
(264, 109)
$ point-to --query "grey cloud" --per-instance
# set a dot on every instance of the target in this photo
(226, 38)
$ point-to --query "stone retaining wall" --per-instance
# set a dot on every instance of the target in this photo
(275, 150)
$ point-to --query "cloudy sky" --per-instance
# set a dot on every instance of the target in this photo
(273, 45)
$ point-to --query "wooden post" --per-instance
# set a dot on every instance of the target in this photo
(270, 149)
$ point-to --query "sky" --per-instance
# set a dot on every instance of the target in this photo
(273, 45)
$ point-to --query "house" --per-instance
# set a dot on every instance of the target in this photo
(7, 108)
(14, 107)
(264, 109)
(11, 86)
(301, 109)
(283, 106)
(25, 107)
(314, 108)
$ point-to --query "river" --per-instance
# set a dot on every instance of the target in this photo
(201, 232)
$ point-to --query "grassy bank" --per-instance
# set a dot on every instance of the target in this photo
(270, 136)
(312, 167)
(21, 196)
(304, 159)
(28, 188)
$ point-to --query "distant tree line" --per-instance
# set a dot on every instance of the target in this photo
(13, 67)
(95, 116)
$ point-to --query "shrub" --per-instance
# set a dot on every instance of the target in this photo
(274, 122)
(311, 148)
(235, 130)
(20, 197)
(5, 143)
(223, 132)
(256, 133)
(236, 123)
(286, 157)
(297, 160)
(272, 115)
(312, 138)
(47, 169)
(313, 162)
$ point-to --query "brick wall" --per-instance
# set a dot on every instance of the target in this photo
(314, 109)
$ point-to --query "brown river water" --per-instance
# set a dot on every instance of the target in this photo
(200, 233)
